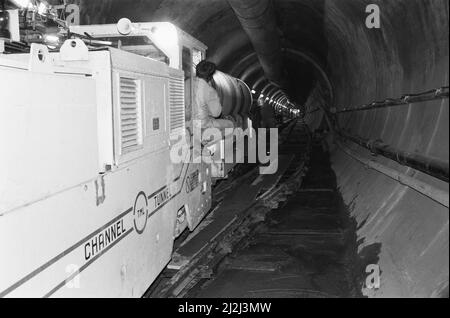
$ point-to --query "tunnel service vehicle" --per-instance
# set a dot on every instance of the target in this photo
(90, 201)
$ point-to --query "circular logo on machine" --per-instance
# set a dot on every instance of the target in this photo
(140, 213)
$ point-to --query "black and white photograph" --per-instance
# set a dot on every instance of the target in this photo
(224, 157)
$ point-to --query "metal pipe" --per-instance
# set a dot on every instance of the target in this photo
(433, 193)
(257, 17)
(235, 95)
(435, 94)
(430, 166)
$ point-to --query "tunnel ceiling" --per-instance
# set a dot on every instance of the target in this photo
(215, 24)
(331, 33)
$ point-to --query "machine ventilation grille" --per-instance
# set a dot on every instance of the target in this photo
(130, 115)
(177, 110)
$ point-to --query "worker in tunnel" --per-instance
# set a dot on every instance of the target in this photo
(206, 108)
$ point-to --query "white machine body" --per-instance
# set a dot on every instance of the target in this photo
(90, 203)
(90, 200)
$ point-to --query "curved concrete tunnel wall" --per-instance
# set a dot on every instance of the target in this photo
(403, 231)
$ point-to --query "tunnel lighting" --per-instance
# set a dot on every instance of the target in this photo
(165, 34)
(51, 38)
(23, 3)
(124, 26)
(43, 8)
(253, 91)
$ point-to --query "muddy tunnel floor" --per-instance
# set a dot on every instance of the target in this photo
(304, 248)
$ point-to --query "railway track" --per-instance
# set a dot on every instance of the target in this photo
(180, 280)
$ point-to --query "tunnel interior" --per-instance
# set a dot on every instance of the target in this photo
(330, 60)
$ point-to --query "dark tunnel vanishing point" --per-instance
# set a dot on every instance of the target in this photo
(321, 53)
